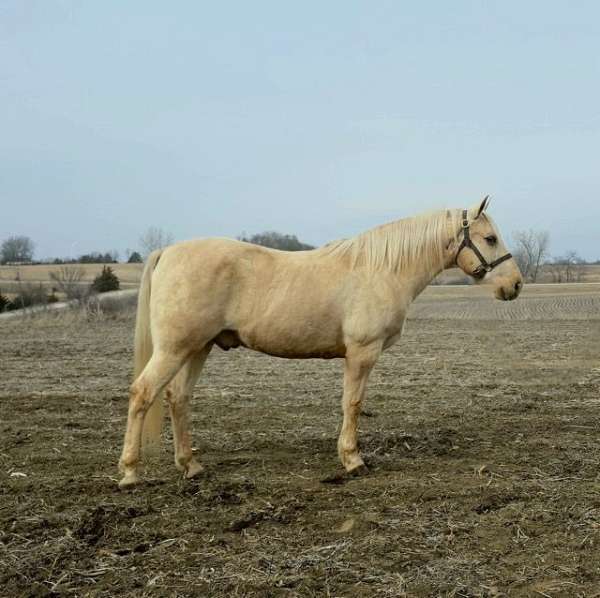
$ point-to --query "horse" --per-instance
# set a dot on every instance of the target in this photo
(347, 299)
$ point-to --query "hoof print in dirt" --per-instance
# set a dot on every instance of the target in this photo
(137, 549)
(248, 520)
(232, 493)
(339, 477)
(95, 522)
(283, 514)
(494, 502)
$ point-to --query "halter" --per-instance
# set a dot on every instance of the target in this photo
(484, 267)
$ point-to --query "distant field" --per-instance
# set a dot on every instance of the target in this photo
(578, 301)
(446, 300)
(129, 274)
(11, 276)
(591, 273)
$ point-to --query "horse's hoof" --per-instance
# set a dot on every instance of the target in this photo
(193, 469)
(358, 471)
(128, 481)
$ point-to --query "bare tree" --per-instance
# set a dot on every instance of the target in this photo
(154, 238)
(16, 249)
(568, 268)
(531, 252)
(69, 280)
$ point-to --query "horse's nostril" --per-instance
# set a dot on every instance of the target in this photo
(518, 286)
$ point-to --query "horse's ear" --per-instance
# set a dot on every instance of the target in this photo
(483, 206)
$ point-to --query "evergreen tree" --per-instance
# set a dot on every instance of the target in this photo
(106, 281)
(135, 258)
(3, 303)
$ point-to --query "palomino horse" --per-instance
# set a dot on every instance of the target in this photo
(347, 299)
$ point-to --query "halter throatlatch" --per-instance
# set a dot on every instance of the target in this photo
(484, 266)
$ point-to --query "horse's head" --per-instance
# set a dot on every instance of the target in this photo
(482, 254)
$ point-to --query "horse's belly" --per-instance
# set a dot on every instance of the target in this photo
(294, 353)
(298, 344)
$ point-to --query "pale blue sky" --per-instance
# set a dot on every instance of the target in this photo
(315, 118)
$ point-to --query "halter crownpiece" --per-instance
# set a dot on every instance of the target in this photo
(484, 266)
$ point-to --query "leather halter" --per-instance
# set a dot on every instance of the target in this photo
(484, 266)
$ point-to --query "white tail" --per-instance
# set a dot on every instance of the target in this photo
(142, 353)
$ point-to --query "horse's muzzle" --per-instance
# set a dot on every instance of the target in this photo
(509, 292)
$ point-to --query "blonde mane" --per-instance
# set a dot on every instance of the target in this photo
(402, 245)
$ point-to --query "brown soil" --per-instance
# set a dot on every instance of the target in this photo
(481, 437)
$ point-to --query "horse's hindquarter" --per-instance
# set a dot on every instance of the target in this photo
(193, 286)
(280, 303)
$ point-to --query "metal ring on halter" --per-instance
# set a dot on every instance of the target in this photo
(484, 266)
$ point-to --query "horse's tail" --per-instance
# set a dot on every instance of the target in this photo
(142, 353)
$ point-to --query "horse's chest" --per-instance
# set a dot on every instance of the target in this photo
(393, 333)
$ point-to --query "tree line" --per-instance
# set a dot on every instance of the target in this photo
(20, 249)
(531, 249)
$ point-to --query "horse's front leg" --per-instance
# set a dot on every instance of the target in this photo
(358, 365)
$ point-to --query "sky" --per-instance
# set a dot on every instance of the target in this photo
(319, 119)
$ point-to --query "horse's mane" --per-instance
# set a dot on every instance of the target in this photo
(401, 245)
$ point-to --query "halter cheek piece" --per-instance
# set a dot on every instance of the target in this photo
(484, 267)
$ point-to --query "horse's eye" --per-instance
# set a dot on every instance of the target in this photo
(492, 239)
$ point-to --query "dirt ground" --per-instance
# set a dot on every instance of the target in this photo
(480, 431)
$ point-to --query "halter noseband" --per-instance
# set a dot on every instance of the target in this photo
(484, 266)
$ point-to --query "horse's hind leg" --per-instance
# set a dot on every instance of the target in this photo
(178, 394)
(145, 389)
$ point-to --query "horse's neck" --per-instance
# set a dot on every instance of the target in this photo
(417, 280)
